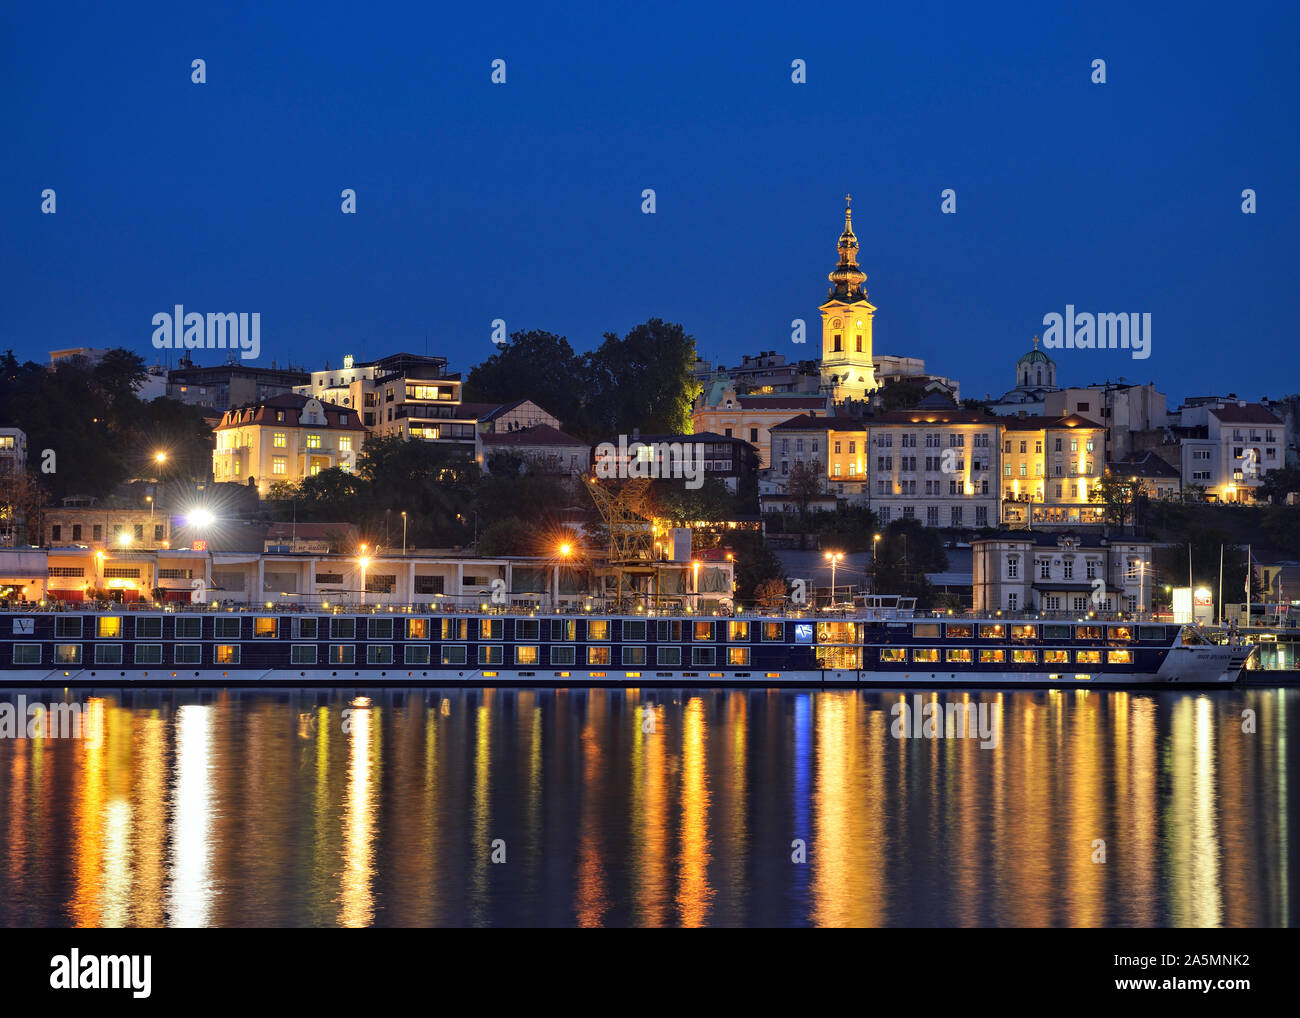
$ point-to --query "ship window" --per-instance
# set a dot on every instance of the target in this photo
(598, 629)
(188, 653)
(1024, 632)
(148, 627)
(1119, 657)
(773, 631)
(417, 654)
(305, 629)
(27, 653)
(669, 656)
(634, 655)
(634, 629)
(148, 654)
(1088, 657)
(303, 654)
(992, 631)
(738, 631)
(490, 629)
(453, 655)
(417, 629)
(1120, 633)
(265, 628)
(380, 629)
(489, 655)
(1087, 632)
(959, 630)
(702, 631)
(1151, 632)
(1024, 657)
(382, 653)
(67, 653)
(668, 630)
(528, 629)
(455, 629)
(1056, 657)
(225, 654)
(925, 630)
(597, 655)
(702, 655)
(226, 628)
(67, 627)
(1057, 632)
(738, 656)
(926, 654)
(110, 627)
(342, 654)
(893, 654)
(108, 654)
(959, 655)
(564, 629)
(189, 627)
(563, 655)
(992, 657)
(526, 655)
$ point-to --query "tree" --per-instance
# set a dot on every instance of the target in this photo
(1121, 496)
(1277, 484)
(897, 394)
(806, 483)
(21, 499)
(906, 552)
(848, 528)
(770, 593)
(755, 563)
(646, 381)
(535, 365)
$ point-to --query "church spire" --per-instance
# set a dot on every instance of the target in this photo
(847, 279)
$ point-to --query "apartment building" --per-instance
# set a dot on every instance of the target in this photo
(1049, 467)
(936, 465)
(719, 409)
(13, 451)
(1061, 573)
(1227, 447)
(837, 444)
(285, 438)
(1125, 409)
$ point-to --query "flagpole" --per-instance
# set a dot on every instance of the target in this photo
(1220, 586)
(1248, 572)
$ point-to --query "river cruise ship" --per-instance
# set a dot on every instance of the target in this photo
(880, 641)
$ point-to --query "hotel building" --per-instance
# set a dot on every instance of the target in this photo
(1049, 468)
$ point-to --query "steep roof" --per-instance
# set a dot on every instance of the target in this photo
(291, 404)
(538, 434)
(1251, 413)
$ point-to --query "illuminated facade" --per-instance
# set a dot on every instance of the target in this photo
(285, 438)
(1063, 574)
(939, 466)
(1229, 449)
(837, 445)
(847, 368)
(1049, 467)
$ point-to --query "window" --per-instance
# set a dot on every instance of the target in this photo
(633, 630)
(187, 653)
(343, 654)
(563, 655)
(67, 653)
(959, 655)
(313, 441)
(598, 655)
(305, 629)
(27, 653)
(265, 628)
(279, 465)
(738, 631)
(280, 440)
(925, 655)
(148, 653)
(702, 656)
(345, 443)
(1013, 566)
(302, 654)
(1013, 602)
(1088, 657)
(382, 653)
(343, 629)
(380, 629)
(566, 629)
(992, 657)
(225, 654)
(226, 628)
(598, 629)
(738, 656)
(417, 654)
(892, 655)
(633, 655)
(417, 629)
(773, 631)
(702, 631)
(108, 654)
(1056, 657)
(110, 627)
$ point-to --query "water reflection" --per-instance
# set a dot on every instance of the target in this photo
(653, 807)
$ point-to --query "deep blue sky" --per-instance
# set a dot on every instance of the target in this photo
(522, 201)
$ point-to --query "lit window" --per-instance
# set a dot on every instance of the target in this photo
(313, 441)
(280, 440)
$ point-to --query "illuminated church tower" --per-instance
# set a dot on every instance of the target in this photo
(847, 371)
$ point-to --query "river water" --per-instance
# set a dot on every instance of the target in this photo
(653, 807)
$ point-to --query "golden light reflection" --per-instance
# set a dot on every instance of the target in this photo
(694, 895)
(357, 906)
(191, 888)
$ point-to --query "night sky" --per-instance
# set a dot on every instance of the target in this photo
(522, 201)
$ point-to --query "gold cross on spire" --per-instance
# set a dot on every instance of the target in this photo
(1035, 342)
(848, 199)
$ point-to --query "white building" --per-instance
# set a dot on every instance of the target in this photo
(1034, 571)
(1228, 447)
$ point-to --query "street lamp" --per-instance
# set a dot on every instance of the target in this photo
(833, 557)
(364, 561)
(124, 539)
(403, 533)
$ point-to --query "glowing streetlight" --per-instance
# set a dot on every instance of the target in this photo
(364, 562)
(124, 539)
(833, 557)
(403, 533)
(201, 519)
(566, 550)
(160, 457)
